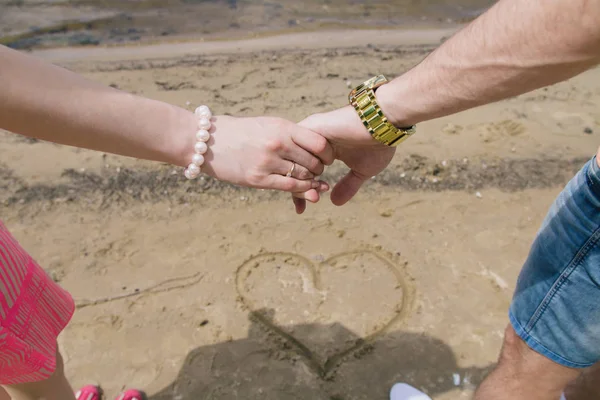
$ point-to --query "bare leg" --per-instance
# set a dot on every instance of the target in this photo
(54, 388)
(4, 395)
(523, 374)
(587, 386)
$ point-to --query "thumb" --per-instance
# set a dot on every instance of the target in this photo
(300, 205)
(346, 188)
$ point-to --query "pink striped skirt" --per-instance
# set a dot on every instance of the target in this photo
(33, 312)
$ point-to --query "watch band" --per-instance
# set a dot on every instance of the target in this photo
(365, 103)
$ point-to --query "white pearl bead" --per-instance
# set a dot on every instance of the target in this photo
(202, 135)
(198, 159)
(188, 174)
(200, 147)
(194, 169)
(203, 111)
(204, 123)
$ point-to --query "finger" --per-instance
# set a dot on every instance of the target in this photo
(283, 183)
(315, 144)
(298, 171)
(302, 157)
(312, 196)
(300, 205)
(323, 186)
(346, 188)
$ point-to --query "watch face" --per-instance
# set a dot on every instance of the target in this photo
(376, 82)
(371, 84)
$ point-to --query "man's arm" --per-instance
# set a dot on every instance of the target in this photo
(515, 47)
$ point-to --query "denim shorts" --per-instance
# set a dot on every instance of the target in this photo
(556, 306)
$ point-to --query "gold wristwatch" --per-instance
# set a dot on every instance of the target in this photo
(364, 102)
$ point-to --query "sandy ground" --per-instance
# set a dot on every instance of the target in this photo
(203, 291)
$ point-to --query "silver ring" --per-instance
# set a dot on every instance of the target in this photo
(291, 171)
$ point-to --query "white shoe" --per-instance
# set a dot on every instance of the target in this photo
(402, 391)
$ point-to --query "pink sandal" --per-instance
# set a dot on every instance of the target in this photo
(89, 392)
(132, 394)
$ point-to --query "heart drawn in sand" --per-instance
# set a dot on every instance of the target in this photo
(324, 310)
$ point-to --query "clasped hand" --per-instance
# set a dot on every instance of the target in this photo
(261, 152)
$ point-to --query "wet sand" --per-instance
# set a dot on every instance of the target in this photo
(30, 24)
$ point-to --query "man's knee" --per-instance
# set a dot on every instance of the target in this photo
(515, 354)
(523, 374)
(513, 347)
(520, 363)
(515, 351)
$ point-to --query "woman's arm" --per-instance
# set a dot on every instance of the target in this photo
(50, 103)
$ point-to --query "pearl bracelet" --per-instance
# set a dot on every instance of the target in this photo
(202, 137)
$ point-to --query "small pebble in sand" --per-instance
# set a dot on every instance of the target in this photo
(386, 213)
(588, 130)
(479, 195)
(456, 379)
(349, 84)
